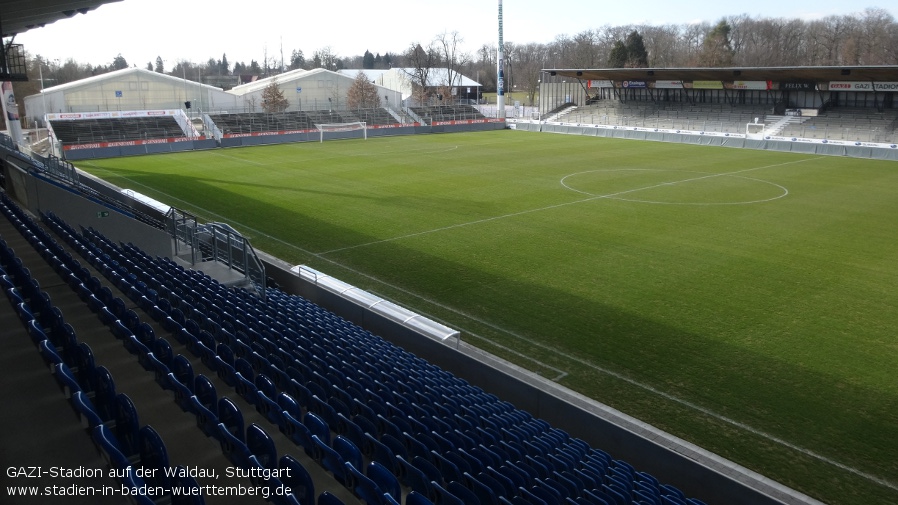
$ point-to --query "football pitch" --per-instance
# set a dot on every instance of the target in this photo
(743, 300)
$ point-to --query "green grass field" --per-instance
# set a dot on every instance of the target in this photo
(743, 300)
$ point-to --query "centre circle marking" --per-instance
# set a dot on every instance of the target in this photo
(622, 195)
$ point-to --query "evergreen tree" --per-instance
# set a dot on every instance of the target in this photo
(119, 62)
(717, 50)
(368, 60)
(637, 56)
(160, 66)
(297, 59)
(618, 56)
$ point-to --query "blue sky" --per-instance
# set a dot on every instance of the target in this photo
(196, 30)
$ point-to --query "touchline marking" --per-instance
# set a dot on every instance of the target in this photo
(555, 206)
(870, 477)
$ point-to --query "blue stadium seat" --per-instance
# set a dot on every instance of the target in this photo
(206, 419)
(182, 370)
(233, 447)
(385, 479)
(105, 394)
(230, 416)
(417, 498)
(49, 353)
(86, 410)
(153, 455)
(298, 480)
(327, 498)
(463, 493)
(261, 445)
(330, 460)
(66, 380)
(204, 390)
(299, 434)
(414, 478)
(348, 451)
(486, 487)
(181, 391)
(163, 351)
(444, 497)
(362, 486)
(105, 440)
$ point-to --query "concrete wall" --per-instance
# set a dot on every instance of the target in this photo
(42, 195)
(118, 151)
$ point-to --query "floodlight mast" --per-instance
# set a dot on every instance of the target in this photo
(500, 81)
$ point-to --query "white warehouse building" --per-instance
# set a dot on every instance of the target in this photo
(128, 89)
(135, 89)
(316, 89)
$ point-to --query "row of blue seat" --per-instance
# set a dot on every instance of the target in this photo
(110, 417)
(293, 355)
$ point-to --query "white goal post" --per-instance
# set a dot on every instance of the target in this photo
(342, 127)
(755, 128)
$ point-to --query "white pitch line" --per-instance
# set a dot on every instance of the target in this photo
(561, 373)
(772, 438)
(555, 206)
(785, 191)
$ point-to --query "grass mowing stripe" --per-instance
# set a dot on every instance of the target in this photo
(550, 207)
(775, 316)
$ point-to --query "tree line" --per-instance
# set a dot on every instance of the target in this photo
(866, 38)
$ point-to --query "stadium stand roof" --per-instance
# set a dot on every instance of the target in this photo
(440, 76)
(19, 16)
(137, 72)
(372, 74)
(260, 84)
(830, 73)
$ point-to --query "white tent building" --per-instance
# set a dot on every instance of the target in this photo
(134, 89)
(127, 90)
(317, 89)
(402, 80)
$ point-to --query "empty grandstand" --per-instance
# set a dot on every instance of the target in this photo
(817, 104)
(437, 114)
(74, 130)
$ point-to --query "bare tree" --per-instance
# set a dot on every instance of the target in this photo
(716, 48)
(484, 68)
(452, 56)
(325, 58)
(273, 99)
(421, 62)
(362, 93)
(530, 60)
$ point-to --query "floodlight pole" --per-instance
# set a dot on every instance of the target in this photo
(500, 81)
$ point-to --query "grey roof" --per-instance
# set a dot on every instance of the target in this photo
(372, 74)
(147, 74)
(440, 77)
(821, 74)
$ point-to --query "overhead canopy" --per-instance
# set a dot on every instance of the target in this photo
(18, 16)
(822, 74)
